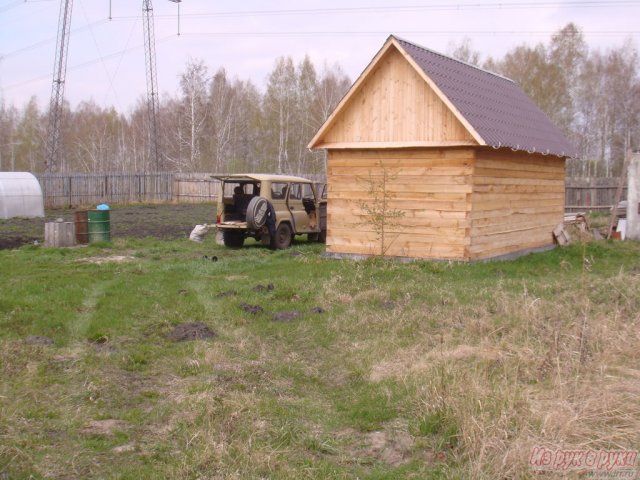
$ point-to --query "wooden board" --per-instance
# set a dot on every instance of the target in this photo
(394, 104)
(517, 200)
(431, 187)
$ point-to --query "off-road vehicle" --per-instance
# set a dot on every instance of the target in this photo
(270, 208)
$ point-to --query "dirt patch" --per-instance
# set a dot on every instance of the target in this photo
(105, 428)
(263, 288)
(38, 340)
(227, 293)
(164, 221)
(17, 242)
(128, 447)
(286, 316)
(111, 259)
(252, 309)
(392, 448)
(190, 331)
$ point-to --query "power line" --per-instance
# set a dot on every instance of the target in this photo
(406, 8)
(17, 3)
(469, 33)
(104, 66)
(346, 10)
(88, 63)
(49, 40)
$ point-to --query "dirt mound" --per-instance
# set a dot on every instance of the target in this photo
(286, 316)
(190, 331)
(252, 309)
(10, 242)
(263, 288)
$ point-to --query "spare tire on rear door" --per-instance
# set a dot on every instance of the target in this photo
(257, 213)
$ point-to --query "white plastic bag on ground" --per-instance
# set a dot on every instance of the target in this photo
(198, 233)
(219, 239)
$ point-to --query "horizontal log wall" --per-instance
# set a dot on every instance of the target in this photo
(431, 187)
(517, 200)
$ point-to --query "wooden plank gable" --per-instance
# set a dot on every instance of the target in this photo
(391, 106)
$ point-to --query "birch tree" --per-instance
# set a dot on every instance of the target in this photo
(194, 84)
(279, 102)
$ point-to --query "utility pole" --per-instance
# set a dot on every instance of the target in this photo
(633, 197)
(53, 156)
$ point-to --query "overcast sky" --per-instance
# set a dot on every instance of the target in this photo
(106, 61)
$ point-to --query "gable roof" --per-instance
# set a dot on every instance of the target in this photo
(494, 110)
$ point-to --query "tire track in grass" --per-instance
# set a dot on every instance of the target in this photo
(81, 323)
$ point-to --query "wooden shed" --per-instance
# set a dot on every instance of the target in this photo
(462, 162)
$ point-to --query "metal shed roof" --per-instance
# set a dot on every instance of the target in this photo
(494, 110)
(500, 112)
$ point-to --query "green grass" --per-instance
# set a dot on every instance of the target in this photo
(418, 370)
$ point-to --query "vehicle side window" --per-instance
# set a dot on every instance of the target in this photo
(307, 191)
(279, 191)
(296, 192)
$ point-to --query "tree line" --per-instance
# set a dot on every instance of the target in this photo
(221, 124)
(592, 95)
(215, 124)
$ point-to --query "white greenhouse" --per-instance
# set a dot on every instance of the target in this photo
(20, 195)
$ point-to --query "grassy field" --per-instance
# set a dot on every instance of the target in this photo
(303, 367)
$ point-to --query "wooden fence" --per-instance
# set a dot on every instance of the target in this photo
(79, 189)
(591, 194)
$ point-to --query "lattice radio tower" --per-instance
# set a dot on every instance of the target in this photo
(152, 82)
(52, 162)
(152, 79)
(54, 145)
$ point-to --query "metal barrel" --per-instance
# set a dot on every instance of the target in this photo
(99, 226)
(81, 220)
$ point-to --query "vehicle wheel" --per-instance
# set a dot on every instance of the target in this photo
(283, 236)
(313, 237)
(257, 213)
(322, 236)
(233, 239)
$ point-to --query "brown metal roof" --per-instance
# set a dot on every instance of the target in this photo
(499, 111)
